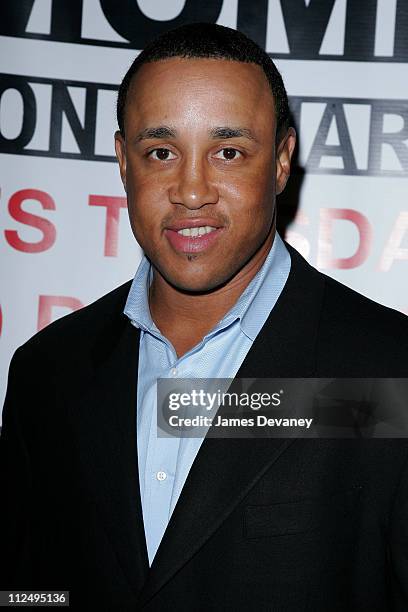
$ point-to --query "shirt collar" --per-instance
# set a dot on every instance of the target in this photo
(137, 303)
(252, 307)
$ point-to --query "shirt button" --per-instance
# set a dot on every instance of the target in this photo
(161, 475)
(173, 371)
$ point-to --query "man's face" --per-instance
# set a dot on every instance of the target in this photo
(200, 152)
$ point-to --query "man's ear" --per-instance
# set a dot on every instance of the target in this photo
(283, 159)
(121, 156)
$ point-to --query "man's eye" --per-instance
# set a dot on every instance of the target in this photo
(162, 154)
(228, 154)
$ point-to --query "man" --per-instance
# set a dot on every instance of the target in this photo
(94, 501)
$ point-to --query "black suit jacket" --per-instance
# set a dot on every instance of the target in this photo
(261, 524)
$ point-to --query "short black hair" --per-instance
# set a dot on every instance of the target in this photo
(208, 40)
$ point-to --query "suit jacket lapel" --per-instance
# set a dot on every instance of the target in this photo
(104, 429)
(226, 469)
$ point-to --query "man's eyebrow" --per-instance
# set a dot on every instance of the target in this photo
(161, 131)
(232, 132)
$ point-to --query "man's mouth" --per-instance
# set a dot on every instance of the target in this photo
(190, 237)
(196, 231)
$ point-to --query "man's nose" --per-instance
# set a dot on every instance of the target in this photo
(192, 186)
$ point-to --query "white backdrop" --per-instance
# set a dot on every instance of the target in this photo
(64, 233)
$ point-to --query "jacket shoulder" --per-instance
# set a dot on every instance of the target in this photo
(355, 330)
(81, 326)
(353, 310)
(355, 335)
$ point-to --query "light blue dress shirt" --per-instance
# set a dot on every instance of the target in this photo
(164, 463)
